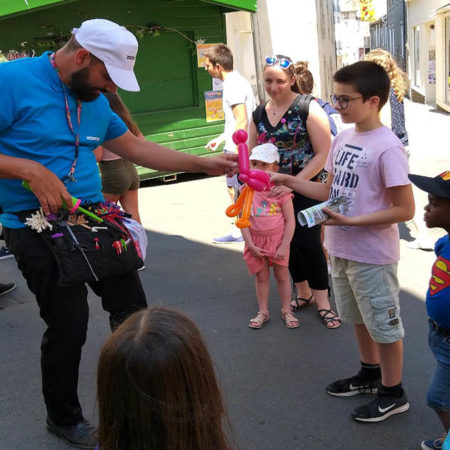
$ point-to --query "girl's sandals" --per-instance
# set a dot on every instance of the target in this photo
(327, 317)
(290, 320)
(258, 321)
(295, 305)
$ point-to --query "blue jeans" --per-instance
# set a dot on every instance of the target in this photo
(438, 396)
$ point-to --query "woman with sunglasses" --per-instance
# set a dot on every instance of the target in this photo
(300, 129)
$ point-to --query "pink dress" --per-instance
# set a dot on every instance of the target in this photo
(267, 230)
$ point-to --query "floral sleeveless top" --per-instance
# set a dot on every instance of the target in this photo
(289, 135)
(398, 118)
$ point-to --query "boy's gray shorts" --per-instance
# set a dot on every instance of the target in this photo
(368, 294)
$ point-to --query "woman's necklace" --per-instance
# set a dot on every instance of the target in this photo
(280, 110)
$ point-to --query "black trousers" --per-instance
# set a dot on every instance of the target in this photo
(306, 260)
(65, 311)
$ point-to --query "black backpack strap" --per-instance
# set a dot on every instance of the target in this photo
(258, 113)
(303, 102)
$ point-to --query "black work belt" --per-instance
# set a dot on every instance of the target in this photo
(444, 331)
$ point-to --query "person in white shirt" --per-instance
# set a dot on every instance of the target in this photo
(238, 105)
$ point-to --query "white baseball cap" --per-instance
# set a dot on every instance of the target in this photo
(114, 45)
(265, 152)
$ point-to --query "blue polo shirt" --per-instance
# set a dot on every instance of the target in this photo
(33, 125)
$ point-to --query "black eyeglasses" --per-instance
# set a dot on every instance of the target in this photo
(342, 100)
(284, 63)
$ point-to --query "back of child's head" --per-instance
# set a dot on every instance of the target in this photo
(367, 79)
(399, 79)
(156, 386)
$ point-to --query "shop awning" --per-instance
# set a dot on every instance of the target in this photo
(245, 5)
(9, 7)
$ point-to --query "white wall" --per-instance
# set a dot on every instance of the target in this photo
(296, 28)
(240, 41)
(432, 37)
(292, 28)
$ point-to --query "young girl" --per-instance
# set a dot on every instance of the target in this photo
(268, 239)
(120, 179)
(156, 386)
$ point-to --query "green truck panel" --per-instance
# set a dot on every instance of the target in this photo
(170, 107)
(8, 7)
(248, 5)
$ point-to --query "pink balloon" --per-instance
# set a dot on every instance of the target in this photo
(243, 177)
(259, 180)
(256, 185)
(239, 136)
(243, 157)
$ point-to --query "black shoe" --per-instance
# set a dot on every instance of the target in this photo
(382, 407)
(5, 253)
(353, 386)
(6, 287)
(81, 435)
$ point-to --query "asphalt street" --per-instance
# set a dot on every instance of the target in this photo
(273, 379)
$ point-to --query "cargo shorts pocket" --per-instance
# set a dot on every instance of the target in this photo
(386, 313)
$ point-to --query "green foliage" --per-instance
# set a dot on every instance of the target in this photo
(52, 40)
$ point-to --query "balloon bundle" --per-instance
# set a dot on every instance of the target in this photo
(255, 180)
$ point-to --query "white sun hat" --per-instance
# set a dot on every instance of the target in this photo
(115, 46)
(265, 152)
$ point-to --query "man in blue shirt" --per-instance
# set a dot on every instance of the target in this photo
(52, 118)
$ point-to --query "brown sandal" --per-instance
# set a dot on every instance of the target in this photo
(295, 305)
(258, 321)
(290, 320)
(329, 316)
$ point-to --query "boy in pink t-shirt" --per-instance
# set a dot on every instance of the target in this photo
(368, 165)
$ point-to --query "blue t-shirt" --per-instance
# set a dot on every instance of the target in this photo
(438, 294)
(34, 125)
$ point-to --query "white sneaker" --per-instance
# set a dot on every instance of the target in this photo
(421, 244)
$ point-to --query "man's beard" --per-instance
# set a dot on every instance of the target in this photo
(79, 84)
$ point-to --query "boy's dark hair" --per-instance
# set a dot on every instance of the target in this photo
(220, 54)
(367, 78)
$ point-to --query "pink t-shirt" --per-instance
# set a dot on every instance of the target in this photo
(363, 166)
(266, 211)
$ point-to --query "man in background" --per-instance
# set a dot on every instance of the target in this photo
(238, 105)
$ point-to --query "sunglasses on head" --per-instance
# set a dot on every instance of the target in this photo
(284, 63)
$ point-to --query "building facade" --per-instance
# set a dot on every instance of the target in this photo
(389, 31)
(302, 30)
(429, 51)
(352, 34)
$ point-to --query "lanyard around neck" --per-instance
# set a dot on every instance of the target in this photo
(70, 176)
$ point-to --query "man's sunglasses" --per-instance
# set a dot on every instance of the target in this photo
(342, 100)
(284, 63)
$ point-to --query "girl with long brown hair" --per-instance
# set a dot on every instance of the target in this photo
(156, 387)
(120, 179)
